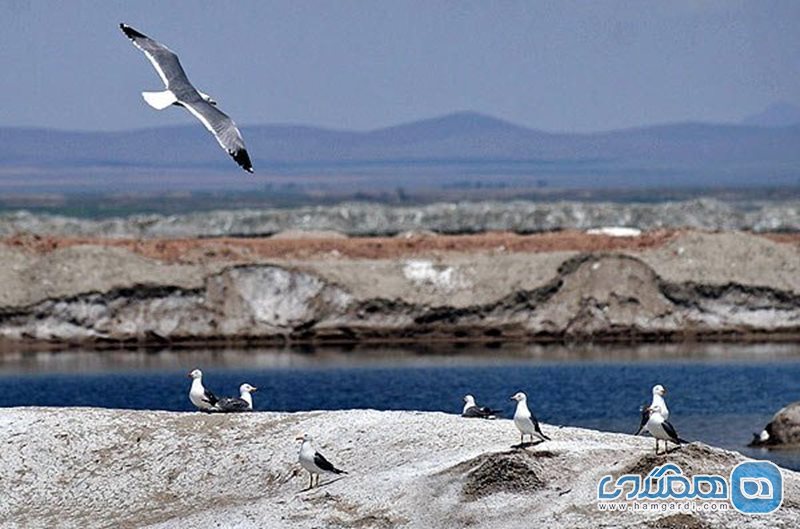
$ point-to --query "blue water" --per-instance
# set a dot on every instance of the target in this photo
(721, 401)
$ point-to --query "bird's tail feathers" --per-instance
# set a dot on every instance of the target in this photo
(160, 100)
(339, 471)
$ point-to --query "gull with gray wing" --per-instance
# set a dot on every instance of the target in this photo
(314, 462)
(179, 91)
(244, 402)
(472, 410)
(203, 399)
(661, 429)
(658, 400)
(525, 421)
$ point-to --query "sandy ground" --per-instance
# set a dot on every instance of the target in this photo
(92, 468)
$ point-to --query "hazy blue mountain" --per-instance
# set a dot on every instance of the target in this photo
(438, 151)
(780, 114)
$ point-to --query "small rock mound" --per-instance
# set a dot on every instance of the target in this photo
(783, 429)
(515, 471)
(693, 458)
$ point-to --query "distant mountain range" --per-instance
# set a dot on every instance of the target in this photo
(456, 149)
(780, 114)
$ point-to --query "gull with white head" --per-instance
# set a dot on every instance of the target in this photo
(524, 420)
(658, 400)
(661, 429)
(314, 462)
(472, 410)
(203, 399)
(244, 402)
(179, 91)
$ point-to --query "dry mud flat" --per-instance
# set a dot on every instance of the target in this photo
(571, 286)
(87, 468)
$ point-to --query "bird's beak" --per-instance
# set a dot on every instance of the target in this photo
(665, 391)
(254, 389)
(298, 438)
(511, 398)
(189, 375)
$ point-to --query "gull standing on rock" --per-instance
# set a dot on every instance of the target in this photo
(244, 402)
(203, 399)
(472, 410)
(661, 429)
(658, 400)
(524, 420)
(313, 461)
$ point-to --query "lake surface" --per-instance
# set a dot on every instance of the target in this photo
(718, 394)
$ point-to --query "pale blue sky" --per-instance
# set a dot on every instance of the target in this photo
(559, 66)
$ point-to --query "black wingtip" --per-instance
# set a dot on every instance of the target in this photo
(243, 159)
(130, 32)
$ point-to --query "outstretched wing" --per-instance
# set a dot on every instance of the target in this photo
(162, 58)
(223, 128)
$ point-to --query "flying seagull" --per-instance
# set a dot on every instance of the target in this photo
(524, 420)
(658, 400)
(244, 402)
(313, 461)
(472, 410)
(179, 91)
(203, 399)
(661, 429)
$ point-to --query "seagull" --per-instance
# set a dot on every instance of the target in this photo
(179, 91)
(661, 429)
(203, 399)
(472, 410)
(658, 400)
(524, 420)
(244, 402)
(313, 461)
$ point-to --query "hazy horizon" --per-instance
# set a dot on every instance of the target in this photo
(190, 123)
(556, 67)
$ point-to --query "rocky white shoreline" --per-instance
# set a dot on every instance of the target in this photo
(363, 218)
(87, 468)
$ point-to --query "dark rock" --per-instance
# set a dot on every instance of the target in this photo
(782, 430)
